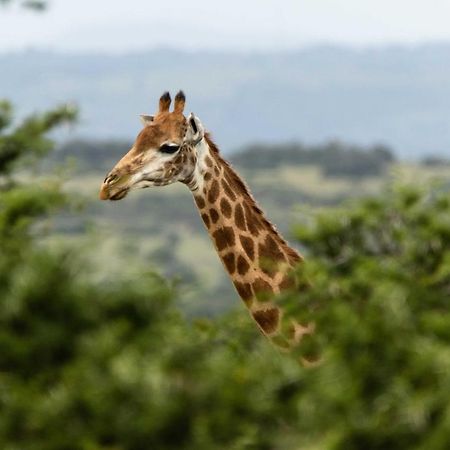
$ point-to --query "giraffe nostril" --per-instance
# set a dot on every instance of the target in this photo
(110, 179)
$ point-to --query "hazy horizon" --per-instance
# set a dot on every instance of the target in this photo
(397, 96)
(374, 47)
(254, 25)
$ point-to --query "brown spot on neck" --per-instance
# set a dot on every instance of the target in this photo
(252, 219)
(270, 255)
(262, 289)
(208, 161)
(213, 191)
(248, 246)
(225, 207)
(214, 215)
(205, 218)
(242, 265)
(245, 292)
(224, 237)
(200, 202)
(267, 319)
(229, 261)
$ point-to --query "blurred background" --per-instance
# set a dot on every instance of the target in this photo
(119, 328)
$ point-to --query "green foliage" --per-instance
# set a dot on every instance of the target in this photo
(29, 138)
(381, 275)
(86, 365)
(23, 200)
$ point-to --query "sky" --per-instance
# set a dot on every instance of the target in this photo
(119, 26)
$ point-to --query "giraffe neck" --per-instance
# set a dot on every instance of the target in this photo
(254, 254)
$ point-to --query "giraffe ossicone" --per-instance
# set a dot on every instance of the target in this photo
(174, 148)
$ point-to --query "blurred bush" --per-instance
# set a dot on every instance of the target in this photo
(380, 300)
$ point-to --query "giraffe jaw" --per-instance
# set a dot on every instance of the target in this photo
(119, 195)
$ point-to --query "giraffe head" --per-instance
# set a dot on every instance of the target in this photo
(164, 151)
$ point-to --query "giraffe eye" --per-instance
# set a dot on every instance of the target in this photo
(169, 148)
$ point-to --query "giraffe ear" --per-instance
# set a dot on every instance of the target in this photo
(195, 131)
(146, 119)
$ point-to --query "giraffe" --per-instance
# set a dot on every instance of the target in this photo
(172, 148)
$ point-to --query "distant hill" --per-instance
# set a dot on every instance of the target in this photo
(399, 96)
(333, 158)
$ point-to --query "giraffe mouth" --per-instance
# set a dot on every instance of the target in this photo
(119, 195)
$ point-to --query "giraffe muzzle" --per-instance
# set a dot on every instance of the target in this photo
(114, 187)
(115, 193)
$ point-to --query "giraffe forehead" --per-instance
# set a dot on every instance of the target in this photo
(166, 128)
